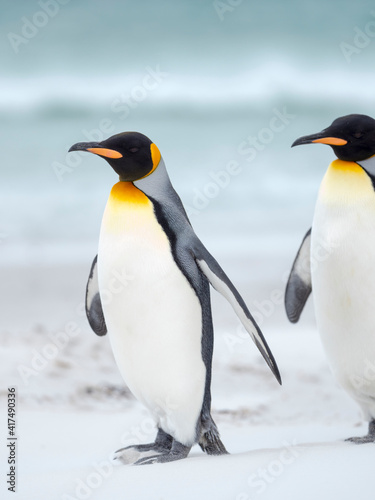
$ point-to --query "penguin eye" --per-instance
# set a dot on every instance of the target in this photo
(133, 150)
(358, 135)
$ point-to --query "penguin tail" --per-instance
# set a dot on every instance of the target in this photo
(210, 441)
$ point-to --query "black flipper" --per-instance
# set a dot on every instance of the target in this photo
(94, 311)
(220, 281)
(193, 258)
(299, 287)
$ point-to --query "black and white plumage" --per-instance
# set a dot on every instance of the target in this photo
(159, 322)
(336, 261)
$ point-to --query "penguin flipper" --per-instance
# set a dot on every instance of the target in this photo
(94, 310)
(220, 281)
(299, 286)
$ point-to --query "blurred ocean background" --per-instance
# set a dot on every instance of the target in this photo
(223, 87)
(201, 79)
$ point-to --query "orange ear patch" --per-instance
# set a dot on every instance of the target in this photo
(332, 141)
(155, 155)
(107, 153)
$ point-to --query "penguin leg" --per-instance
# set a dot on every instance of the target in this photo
(369, 438)
(177, 452)
(162, 444)
(210, 441)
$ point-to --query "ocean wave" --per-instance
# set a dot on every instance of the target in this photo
(271, 82)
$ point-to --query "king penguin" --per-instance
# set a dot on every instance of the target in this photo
(159, 323)
(336, 261)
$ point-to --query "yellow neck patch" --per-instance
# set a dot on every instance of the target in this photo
(126, 192)
(127, 208)
(345, 182)
(347, 166)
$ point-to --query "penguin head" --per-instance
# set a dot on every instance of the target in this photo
(131, 155)
(351, 137)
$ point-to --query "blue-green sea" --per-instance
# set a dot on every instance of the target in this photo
(219, 86)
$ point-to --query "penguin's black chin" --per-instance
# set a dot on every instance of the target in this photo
(352, 153)
(128, 170)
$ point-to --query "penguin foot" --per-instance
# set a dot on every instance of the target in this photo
(130, 455)
(177, 452)
(210, 441)
(158, 448)
(369, 438)
(133, 453)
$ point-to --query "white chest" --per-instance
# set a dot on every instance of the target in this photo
(343, 269)
(153, 315)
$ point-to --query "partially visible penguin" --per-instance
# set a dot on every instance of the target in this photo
(159, 324)
(341, 249)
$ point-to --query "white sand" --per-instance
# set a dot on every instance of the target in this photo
(285, 443)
